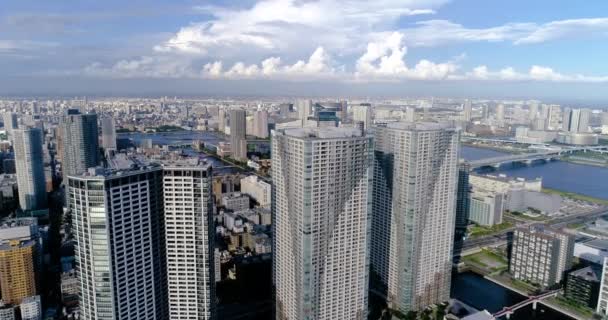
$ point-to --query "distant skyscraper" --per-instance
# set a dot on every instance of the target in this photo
(119, 228)
(500, 113)
(260, 124)
(221, 120)
(410, 114)
(17, 270)
(238, 142)
(321, 220)
(190, 232)
(31, 308)
(108, 134)
(304, 109)
(576, 120)
(414, 211)
(30, 168)
(79, 135)
(555, 116)
(533, 110)
(10, 122)
(485, 113)
(363, 112)
(343, 110)
(467, 111)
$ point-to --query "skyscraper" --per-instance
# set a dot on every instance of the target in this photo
(189, 240)
(118, 223)
(79, 135)
(238, 142)
(500, 113)
(10, 122)
(363, 113)
(17, 270)
(30, 168)
(576, 120)
(260, 124)
(221, 120)
(321, 220)
(467, 111)
(108, 134)
(304, 109)
(415, 184)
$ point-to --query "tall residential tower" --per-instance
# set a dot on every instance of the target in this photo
(414, 209)
(80, 141)
(30, 168)
(321, 221)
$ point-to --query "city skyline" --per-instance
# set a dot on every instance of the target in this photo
(428, 47)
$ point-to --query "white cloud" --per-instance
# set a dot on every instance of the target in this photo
(146, 66)
(567, 29)
(292, 26)
(535, 73)
(385, 59)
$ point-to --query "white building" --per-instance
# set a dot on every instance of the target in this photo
(414, 212)
(29, 165)
(189, 235)
(258, 189)
(7, 312)
(486, 208)
(321, 213)
(602, 302)
(80, 142)
(31, 308)
(10, 122)
(595, 250)
(363, 113)
(260, 124)
(235, 201)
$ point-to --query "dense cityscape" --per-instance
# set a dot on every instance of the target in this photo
(303, 160)
(171, 208)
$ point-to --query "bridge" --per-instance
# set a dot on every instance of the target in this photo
(508, 311)
(548, 155)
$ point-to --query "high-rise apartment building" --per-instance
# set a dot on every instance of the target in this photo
(7, 312)
(10, 122)
(363, 113)
(30, 168)
(189, 234)
(576, 120)
(414, 212)
(238, 139)
(17, 270)
(304, 110)
(321, 222)
(108, 134)
(79, 136)
(117, 218)
(258, 189)
(221, 120)
(540, 255)
(260, 124)
(467, 111)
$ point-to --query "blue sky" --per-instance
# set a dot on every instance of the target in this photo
(525, 49)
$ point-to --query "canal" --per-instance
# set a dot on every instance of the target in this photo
(481, 293)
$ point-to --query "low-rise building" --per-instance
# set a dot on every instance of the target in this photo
(7, 312)
(540, 255)
(235, 201)
(31, 308)
(486, 208)
(257, 189)
(594, 251)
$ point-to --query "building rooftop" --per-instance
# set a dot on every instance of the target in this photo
(419, 126)
(587, 274)
(322, 133)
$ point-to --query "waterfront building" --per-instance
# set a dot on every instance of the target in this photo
(117, 220)
(80, 142)
(30, 168)
(576, 120)
(414, 212)
(221, 120)
(31, 308)
(602, 302)
(18, 270)
(189, 235)
(321, 222)
(108, 134)
(593, 250)
(540, 255)
(238, 127)
(583, 286)
(258, 189)
(486, 208)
